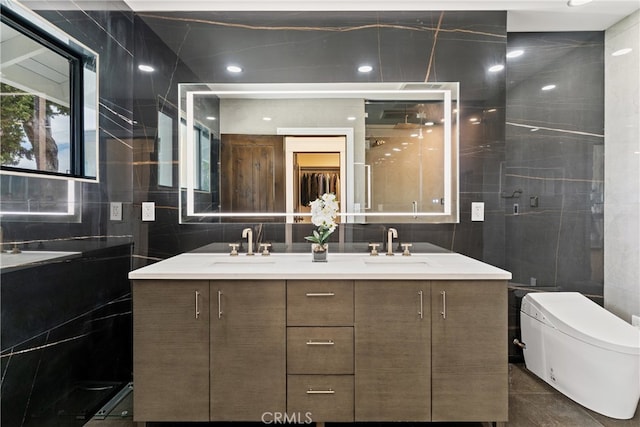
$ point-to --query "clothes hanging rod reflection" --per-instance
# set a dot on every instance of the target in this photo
(516, 194)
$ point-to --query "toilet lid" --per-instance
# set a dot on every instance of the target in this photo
(578, 316)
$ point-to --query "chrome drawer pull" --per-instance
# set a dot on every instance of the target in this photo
(421, 312)
(312, 391)
(219, 304)
(328, 342)
(321, 294)
(443, 313)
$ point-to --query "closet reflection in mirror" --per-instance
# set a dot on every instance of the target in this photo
(261, 152)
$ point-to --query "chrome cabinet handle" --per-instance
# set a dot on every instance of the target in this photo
(312, 391)
(328, 342)
(197, 313)
(421, 312)
(219, 304)
(444, 304)
(321, 294)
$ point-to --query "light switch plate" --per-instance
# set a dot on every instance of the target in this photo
(148, 211)
(115, 211)
(477, 211)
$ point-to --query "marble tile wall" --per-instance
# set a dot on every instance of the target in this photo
(554, 162)
(328, 47)
(66, 337)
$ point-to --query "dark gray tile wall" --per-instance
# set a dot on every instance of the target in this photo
(328, 47)
(555, 142)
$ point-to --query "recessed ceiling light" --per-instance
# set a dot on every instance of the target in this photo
(234, 69)
(266, 119)
(146, 68)
(573, 3)
(351, 118)
(548, 87)
(515, 53)
(620, 52)
(496, 68)
(211, 118)
(365, 68)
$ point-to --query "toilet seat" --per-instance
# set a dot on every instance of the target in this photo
(577, 316)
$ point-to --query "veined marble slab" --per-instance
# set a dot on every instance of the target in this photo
(216, 266)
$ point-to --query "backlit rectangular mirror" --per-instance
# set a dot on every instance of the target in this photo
(262, 152)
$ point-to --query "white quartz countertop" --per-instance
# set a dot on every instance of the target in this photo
(422, 266)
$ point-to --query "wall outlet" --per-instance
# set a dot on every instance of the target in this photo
(148, 211)
(477, 211)
(115, 211)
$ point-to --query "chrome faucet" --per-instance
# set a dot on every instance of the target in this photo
(391, 233)
(248, 233)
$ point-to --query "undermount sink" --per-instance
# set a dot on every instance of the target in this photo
(243, 259)
(394, 260)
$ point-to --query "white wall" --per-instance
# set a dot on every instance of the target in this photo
(622, 169)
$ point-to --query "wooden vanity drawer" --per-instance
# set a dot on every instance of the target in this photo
(320, 303)
(328, 398)
(320, 350)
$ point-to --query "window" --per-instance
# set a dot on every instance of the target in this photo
(201, 156)
(48, 100)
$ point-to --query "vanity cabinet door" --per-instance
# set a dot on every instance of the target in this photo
(469, 351)
(392, 351)
(248, 349)
(171, 350)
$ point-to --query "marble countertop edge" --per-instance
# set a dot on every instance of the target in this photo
(298, 266)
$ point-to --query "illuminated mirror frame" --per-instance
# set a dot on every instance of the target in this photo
(367, 91)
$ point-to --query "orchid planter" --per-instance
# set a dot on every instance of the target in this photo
(319, 252)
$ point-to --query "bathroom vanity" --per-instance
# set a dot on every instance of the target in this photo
(359, 338)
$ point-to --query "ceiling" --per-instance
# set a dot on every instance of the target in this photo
(522, 16)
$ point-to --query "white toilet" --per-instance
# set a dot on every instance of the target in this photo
(582, 350)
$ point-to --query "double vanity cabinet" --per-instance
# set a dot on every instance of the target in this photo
(281, 338)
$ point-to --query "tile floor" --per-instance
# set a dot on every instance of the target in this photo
(532, 403)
